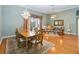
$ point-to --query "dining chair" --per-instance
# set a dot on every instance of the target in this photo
(21, 43)
(36, 30)
(37, 39)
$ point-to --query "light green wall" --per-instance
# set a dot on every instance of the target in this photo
(45, 16)
(69, 17)
(0, 20)
(12, 18)
(50, 21)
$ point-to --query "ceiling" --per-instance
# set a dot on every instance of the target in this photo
(49, 9)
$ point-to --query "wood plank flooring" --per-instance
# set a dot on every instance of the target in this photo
(3, 47)
(66, 44)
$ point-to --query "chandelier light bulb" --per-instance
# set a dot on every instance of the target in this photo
(26, 14)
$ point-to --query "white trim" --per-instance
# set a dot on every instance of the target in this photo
(73, 33)
(7, 41)
(70, 33)
(6, 46)
(6, 37)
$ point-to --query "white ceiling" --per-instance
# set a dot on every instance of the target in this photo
(49, 9)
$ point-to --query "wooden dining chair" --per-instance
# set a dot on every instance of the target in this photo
(36, 30)
(37, 39)
(21, 43)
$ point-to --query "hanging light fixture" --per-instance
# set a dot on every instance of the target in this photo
(53, 16)
(26, 14)
(53, 9)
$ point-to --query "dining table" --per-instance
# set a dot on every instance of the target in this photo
(27, 36)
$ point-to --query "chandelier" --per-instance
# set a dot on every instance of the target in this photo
(26, 14)
(53, 16)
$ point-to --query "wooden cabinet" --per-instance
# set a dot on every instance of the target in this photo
(58, 30)
(59, 26)
(61, 31)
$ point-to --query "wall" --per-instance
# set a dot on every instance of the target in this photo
(0, 20)
(69, 17)
(44, 16)
(50, 21)
(12, 18)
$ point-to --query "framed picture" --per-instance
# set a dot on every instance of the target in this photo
(61, 22)
(58, 22)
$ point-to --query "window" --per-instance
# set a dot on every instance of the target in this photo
(35, 22)
(77, 13)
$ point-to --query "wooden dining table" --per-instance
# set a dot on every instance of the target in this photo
(27, 36)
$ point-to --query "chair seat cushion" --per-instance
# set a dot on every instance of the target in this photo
(38, 41)
(21, 40)
(35, 41)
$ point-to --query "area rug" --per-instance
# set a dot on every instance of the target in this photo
(11, 48)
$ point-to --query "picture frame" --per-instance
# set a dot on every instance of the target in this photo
(58, 22)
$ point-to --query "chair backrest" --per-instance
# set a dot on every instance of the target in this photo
(49, 27)
(40, 37)
(17, 35)
(41, 31)
(36, 30)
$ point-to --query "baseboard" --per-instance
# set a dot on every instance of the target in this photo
(6, 37)
(70, 33)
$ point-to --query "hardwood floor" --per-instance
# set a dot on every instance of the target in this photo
(3, 47)
(66, 44)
